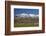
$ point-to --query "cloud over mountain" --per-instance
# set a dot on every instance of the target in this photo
(26, 15)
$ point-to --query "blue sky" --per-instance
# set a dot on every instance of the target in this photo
(27, 11)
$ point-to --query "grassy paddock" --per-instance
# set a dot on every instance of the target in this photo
(25, 22)
(24, 25)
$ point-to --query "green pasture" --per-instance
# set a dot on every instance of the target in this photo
(24, 25)
(24, 22)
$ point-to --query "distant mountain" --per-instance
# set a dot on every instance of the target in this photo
(26, 15)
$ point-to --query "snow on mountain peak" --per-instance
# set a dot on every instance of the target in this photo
(26, 15)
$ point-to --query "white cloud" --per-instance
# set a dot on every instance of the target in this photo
(26, 15)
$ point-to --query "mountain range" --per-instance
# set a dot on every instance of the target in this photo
(26, 15)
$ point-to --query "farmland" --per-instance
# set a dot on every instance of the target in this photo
(25, 22)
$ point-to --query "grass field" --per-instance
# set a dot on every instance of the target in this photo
(25, 22)
(24, 25)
